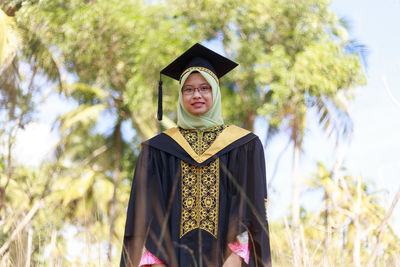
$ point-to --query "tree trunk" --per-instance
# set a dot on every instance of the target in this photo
(20, 227)
(116, 176)
(52, 248)
(326, 235)
(29, 247)
(11, 10)
(11, 140)
(250, 120)
(382, 228)
(357, 227)
(296, 208)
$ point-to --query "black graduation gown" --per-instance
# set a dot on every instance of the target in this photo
(154, 210)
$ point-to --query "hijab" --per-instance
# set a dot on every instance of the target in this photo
(212, 117)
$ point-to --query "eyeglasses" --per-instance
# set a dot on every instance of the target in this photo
(203, 90)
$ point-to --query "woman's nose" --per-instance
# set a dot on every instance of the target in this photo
(196, 93)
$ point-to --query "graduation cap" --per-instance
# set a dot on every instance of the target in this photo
(199, 57)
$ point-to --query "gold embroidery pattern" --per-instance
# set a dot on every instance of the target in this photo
(190, 198)
(209, 197)
(201, 140)
(200, 197)
(229, 135)
(200, 185)
(199, 68)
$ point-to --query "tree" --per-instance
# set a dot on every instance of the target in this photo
(293, 59)
(351, 225)
(113, 60)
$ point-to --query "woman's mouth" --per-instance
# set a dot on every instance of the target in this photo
(197, 104)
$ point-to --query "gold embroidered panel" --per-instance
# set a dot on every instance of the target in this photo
(200, 185)
(201, 140)
(227, 136)
(200, 197)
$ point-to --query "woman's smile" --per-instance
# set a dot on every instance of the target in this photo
(195, 98)
(198, 104)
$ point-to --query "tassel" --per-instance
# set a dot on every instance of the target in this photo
(160, 111)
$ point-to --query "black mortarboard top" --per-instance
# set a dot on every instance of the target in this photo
(200, 57)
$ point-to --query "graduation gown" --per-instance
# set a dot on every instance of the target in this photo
(185, 207)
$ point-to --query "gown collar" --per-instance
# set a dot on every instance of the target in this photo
(229, 135)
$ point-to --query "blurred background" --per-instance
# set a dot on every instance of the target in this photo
(318, 81)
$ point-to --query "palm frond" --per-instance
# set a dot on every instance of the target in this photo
(334, 117)
(355, 47)
(83, 114)
(10, 40)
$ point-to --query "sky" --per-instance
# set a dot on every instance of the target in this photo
(374, 150)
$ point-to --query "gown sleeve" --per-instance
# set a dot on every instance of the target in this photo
(139, 214)
(247, 174)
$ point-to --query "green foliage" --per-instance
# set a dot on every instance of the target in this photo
(3, 36)
(293, 58)
(349, 213)
(275, 43)
(118, 47)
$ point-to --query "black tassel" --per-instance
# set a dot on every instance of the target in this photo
(160, 111)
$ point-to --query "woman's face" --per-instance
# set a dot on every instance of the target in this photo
(197, 94)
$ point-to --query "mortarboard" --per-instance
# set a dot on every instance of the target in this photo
(200, 57)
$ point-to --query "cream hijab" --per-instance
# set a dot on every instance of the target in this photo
(212, 117)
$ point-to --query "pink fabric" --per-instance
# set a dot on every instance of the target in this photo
(240, 247)
(148, 259)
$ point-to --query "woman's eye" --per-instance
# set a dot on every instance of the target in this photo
(204, 88)
(188, 90)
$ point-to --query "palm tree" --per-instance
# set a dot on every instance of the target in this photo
(326, 94)
(20, 45)
(353, 221)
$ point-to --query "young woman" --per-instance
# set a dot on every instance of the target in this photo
(199, 191)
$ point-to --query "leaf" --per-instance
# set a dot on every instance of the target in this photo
(102, 193)
(9, 40)
(79, 187)
(85, 88)
(3, 35)
(83, 113)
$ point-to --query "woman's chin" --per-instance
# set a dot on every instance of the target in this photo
(197, 112)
